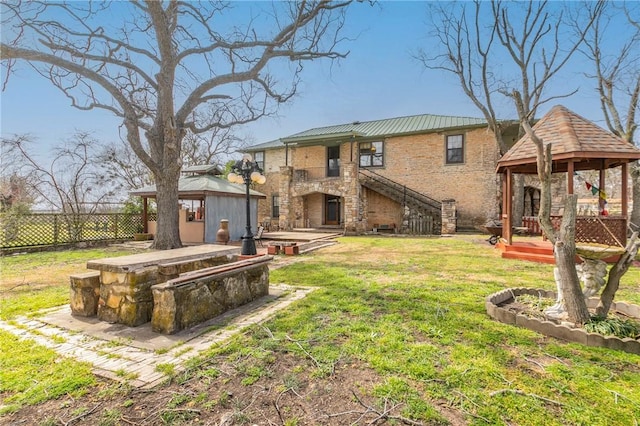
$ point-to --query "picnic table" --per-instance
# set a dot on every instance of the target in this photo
(125, 295)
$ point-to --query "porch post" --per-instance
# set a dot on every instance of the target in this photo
(286, 218)
(508, 205)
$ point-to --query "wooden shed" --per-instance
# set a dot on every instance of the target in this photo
(205, 199)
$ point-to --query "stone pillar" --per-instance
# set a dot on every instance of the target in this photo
(125, 297)
(353, 222)
(85, 293)
(449, 217)
(286, 207)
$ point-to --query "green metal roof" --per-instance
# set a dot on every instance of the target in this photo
(211, 169)
(387, 127)
(201, 185)
(266, 145)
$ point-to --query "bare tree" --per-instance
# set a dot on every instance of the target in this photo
(495, 48)
(563, 239)
(211, 148)
(16, 192)
(120, 164)
(160, 63)
(69, 182)
(616, 71)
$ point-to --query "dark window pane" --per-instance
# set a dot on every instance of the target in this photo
(455, 149)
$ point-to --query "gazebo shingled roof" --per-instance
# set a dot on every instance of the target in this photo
(574, 139)
(577, 144)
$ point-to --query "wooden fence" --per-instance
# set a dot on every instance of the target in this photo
(418, 224)
(39, 229)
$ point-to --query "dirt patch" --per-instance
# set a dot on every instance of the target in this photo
(215, 394)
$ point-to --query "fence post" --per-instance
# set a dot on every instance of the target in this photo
(55, 230)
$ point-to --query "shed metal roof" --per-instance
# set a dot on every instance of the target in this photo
(211, 169)
(200, 185)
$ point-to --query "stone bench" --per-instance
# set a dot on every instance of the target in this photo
(195, 297)
(171, 270)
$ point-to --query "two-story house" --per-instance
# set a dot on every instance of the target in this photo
(392, 174)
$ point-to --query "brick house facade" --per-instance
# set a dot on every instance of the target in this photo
(374, 175)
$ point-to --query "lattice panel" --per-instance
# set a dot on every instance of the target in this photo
(601, 230)
(50, 229)
(606, 230)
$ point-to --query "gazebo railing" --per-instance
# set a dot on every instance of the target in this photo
(606, 230)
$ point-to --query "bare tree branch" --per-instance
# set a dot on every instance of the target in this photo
(160, 65)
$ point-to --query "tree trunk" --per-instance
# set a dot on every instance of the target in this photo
(617, 271)
(518, 200)
(167, 229)
(565, 255)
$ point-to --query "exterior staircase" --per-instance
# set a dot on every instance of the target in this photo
(417, 203)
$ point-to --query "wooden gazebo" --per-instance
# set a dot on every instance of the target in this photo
(577, 145)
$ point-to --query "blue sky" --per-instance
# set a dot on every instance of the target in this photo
(379, 79)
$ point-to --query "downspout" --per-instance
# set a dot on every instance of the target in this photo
(286, 154)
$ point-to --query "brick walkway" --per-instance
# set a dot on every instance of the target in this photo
(132, 354)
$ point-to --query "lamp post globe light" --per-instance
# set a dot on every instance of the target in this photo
(245, 172)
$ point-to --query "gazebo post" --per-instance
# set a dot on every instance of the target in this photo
(145, 219)
(570, 171)
(624, 178)
(602, 186)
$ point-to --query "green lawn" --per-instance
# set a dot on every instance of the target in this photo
(412, 309)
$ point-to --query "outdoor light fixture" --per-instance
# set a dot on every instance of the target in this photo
(245, 172)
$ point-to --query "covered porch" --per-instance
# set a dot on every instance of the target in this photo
(577, 145)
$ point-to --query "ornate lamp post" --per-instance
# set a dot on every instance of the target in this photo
(247, 171)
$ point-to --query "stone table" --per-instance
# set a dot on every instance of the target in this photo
(125, 295)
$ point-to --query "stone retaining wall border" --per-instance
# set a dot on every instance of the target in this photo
(561, 331)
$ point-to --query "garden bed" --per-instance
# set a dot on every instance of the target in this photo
(504, 307)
